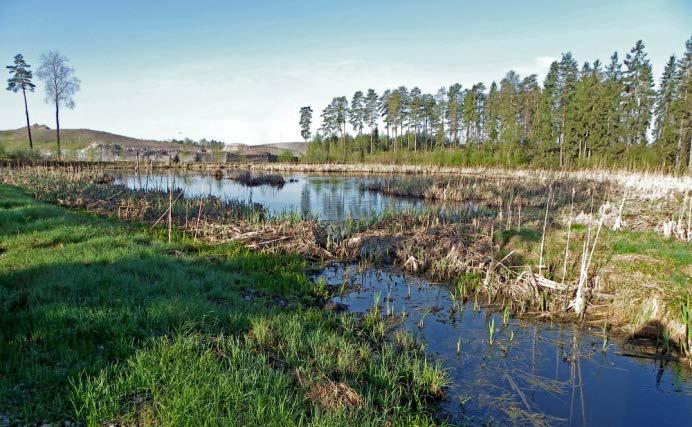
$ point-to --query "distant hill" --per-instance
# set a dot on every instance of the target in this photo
(297, 148)
(77, 139)
(70, 139)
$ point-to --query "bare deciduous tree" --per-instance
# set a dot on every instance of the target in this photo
(60, 84)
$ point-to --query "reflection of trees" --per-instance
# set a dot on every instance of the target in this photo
(305, 204)
(332, 198)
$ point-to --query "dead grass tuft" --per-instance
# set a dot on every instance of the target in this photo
(330, 395)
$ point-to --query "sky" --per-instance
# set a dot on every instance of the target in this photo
(238, 71)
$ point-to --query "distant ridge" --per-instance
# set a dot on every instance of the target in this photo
(44, 138)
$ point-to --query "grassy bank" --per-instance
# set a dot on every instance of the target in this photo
(643, 286)
(104, 322)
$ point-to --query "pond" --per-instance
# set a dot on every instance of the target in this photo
(533, 373)
(327, 198)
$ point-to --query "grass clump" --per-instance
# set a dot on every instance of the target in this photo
(104, 322)
(247, 179)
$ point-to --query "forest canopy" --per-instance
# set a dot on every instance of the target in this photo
(593, 114)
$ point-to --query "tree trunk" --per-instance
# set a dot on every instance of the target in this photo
(57, 125)
(28, 124)
(562, 140)
(689, 153)
(371, 142)
(343, 139)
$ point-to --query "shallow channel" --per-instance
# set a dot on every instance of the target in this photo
(534, 372)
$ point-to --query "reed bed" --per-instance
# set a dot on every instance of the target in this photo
(496, 192)
(622, 209)
(646, 184)
(94, 191)
(247, 179)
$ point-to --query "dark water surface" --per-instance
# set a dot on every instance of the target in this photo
(534, 373)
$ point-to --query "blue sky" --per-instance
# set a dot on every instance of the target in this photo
(239, 70)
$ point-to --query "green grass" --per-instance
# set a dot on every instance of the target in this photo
(642, 271)
(103, 321)
(12, 141)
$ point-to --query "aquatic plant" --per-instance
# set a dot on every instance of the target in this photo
(491, 330)
(426, 312)
(665, 340)
(376, 296)
(388, 299)
(505, 316)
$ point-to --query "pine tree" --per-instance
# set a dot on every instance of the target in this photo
(328, 117)
(612, 105)
(394, 115)
(384, 112)
(329, 127)
(453, 115)
(508, 117)
(371, 113)
(549, 113)
(529, 104)
(438, 117)
(305, 121)
(429, 107)
(638, 95)
(341, 113)
(21, 80)
(664, 126)
(357, 112)
(682, 110)
(588, 127)
(480, 97)
(468, 115)
(491, 114)
(415, 114)
(567, 79)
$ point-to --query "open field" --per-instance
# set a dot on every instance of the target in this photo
(105, 322)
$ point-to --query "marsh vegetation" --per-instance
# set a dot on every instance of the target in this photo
(606, 251)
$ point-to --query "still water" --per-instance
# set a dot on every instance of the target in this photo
(534, 373)
(328, 198)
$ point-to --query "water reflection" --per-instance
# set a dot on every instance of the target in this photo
(330, 198)
(533, 372)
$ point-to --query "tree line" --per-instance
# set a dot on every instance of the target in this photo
(595, 114)
(203, 143)
(60, 85)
